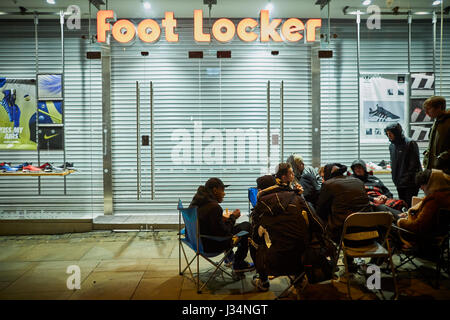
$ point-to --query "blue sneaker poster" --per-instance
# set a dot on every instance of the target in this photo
(17, 114)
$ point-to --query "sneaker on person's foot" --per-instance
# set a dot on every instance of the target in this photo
(260, 285)
(243, 267)
(229, 259)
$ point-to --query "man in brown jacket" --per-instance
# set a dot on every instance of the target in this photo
(437, 156)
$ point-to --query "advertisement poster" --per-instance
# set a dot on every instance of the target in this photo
(50, 112)
(420, 133)
(18, 114)
(422, 84)
(49, 86)
(50, 138)
(383, 100)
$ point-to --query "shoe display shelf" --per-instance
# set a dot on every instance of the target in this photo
(38, 173)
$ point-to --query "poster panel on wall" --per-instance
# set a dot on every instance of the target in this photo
(50, 112)
(383, 100)
(49, 86)
(420, 132)
(18, 114)
(417, 112)
(50, 138)
(422, 83)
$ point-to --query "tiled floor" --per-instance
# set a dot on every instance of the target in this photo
(144, 265)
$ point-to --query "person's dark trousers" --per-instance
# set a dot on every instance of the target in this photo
(383, 207)
(264, 277)
(242, 247)
(406, 194)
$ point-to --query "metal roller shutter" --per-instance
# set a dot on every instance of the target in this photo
(381, 51)
(218, 105)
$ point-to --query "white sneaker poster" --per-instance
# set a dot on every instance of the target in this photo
(383, 100)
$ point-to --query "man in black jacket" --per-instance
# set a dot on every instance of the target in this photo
(405, 162)
(213, 222)
(282, 234)
(340, 196)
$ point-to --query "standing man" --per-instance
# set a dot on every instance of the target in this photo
(212, 222)
(437, 156)
(405, 162)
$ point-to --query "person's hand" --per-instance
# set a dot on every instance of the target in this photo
(227, 214)
(236, 213)
(383, 198)
(402, 215)
(298, 188)
(378, 200)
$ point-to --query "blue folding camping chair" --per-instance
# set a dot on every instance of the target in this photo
(252, 197)
(190, 236)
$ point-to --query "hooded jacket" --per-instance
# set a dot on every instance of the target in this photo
(370, 180)
(309, 179)
(339, 197)
(405, 159)
(422, 217)
(279, 212)
(210, 216)
(437, 155)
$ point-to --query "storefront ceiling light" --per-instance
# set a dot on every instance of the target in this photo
(437, 2)
(395, 11)
(269, 6)
(147, 5)
(51, 1)
(355, 11)
(366, 2)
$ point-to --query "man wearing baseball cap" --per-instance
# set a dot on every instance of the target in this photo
(213, 222)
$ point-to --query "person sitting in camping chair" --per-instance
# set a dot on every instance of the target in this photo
(421, 219)
(213, 222)
(279, 231)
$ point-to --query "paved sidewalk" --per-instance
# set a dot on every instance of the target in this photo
(144, 265)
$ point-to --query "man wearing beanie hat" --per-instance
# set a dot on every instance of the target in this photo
(213, 222)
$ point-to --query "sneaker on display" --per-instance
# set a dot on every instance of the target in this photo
(68, 165)
(262, 286)
(373, 166)
(383, 164)
(20, 166)
(5, 167)
(48, 167)
(30, 168)
(380, 114)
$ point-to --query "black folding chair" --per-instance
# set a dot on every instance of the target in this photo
(374, 250)
(431, 246)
